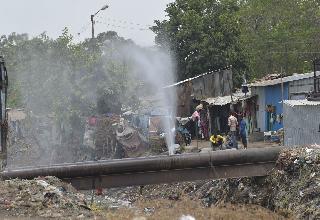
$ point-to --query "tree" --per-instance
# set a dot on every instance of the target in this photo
(203, 35)
(65, 78)
(280, 35)
(68, 80)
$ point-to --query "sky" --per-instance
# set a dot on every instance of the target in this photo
(129, 18)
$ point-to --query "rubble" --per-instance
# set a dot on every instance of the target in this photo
(292, 189)
(42, 197)
(105, 136)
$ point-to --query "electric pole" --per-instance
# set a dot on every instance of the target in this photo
(92, 19)
(92, 26)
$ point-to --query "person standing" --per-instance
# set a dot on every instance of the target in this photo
(204, 124)
(243, 132)
(196, 118)
(232, 123)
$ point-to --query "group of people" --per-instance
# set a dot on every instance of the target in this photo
(217, 141)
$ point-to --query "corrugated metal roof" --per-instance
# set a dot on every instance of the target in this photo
(224, 100)
(219, 100)
(187, 80)
(192, 78)
(284, 80)
(301, 102)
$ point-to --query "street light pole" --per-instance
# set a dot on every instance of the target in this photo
(92, 19)
(92, 26)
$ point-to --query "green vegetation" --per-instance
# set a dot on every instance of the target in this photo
(62, 77)
(255, 37)
(280, 35)
(203, 35)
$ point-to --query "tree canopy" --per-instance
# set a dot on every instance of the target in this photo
(280, 35)
(58, 76)
(255, 37)
(203, 35)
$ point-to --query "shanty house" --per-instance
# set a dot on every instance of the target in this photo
(271, 93)
(221, 106)
(192, 90)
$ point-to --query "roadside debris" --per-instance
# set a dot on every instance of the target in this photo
(292, 189)
(42, 197)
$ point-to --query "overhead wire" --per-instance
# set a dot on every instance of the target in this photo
(127, 27)
(123, 24)
(115, 23)
(127, 22)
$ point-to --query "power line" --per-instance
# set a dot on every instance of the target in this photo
(127, 27)
(115, 23)
(125, 22)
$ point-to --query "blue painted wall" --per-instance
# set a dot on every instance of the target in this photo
(273, 96)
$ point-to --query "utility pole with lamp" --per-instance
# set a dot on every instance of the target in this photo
(92, 19)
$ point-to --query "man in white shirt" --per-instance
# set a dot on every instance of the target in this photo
(233, 122)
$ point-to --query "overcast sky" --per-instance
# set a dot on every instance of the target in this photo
(130, 18)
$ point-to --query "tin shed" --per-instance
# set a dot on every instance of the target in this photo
(301, 122)
(270, 94)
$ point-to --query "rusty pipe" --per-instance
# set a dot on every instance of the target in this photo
(134, 165)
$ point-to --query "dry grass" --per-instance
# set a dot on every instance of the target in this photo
(171, 210)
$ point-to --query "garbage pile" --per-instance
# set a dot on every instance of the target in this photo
(131, 142)
(292, 189)
(42, 197)
(105, 136)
